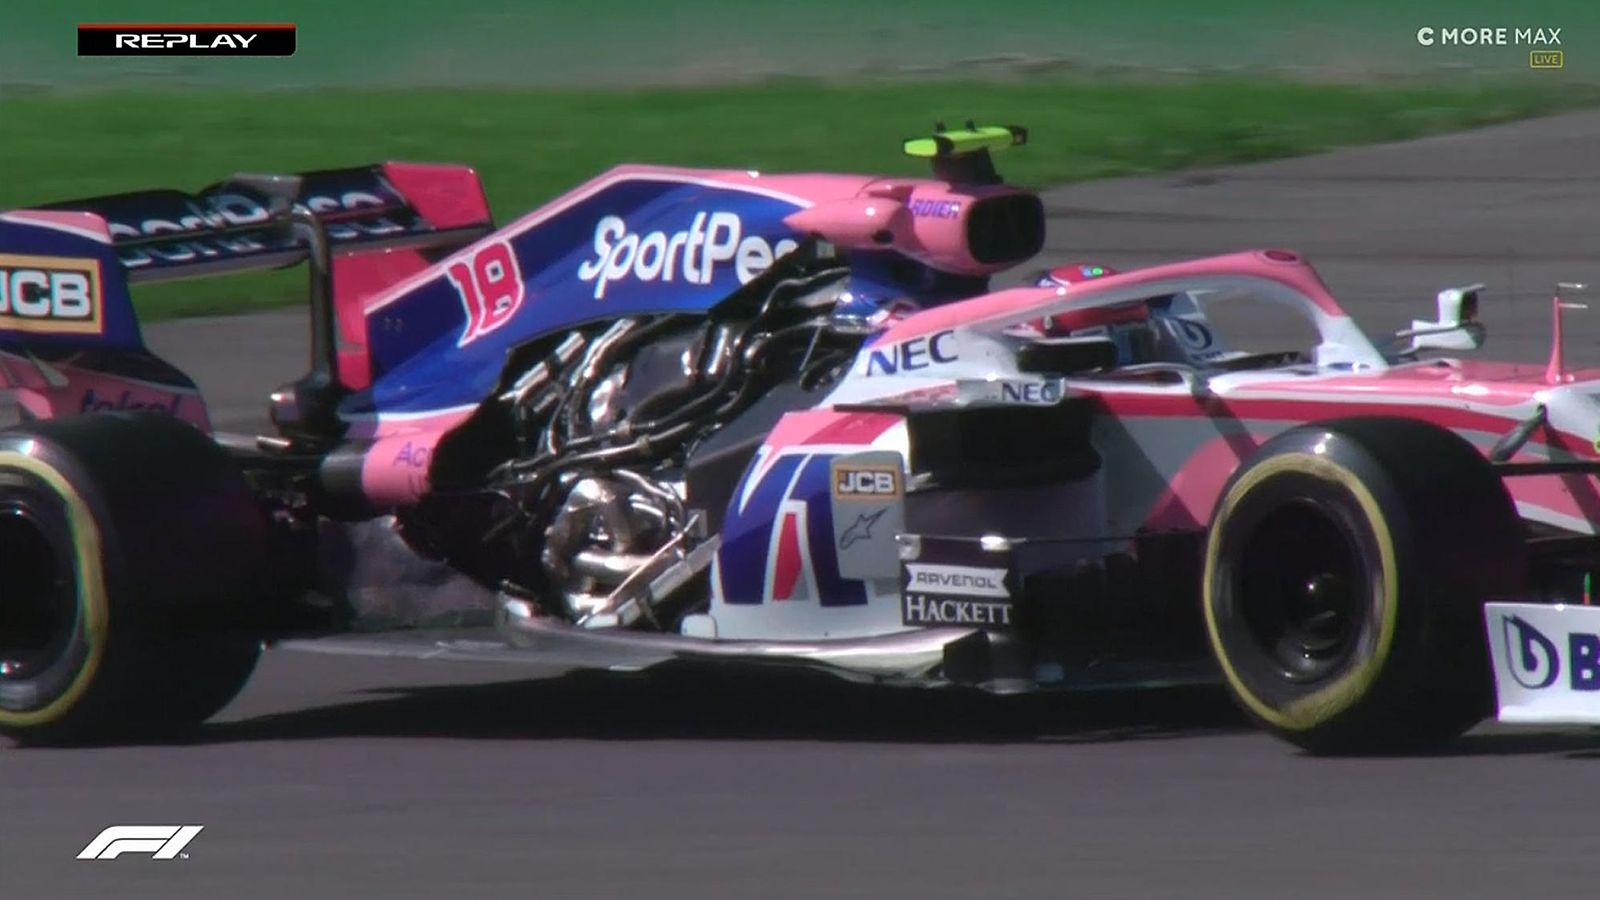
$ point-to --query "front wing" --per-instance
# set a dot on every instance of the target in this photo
(1546, 662)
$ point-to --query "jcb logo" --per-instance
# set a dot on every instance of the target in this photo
(161, 841)
(864, 483)
(50, 294)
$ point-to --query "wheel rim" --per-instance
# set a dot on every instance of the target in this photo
(1302, 595)
(38, 609)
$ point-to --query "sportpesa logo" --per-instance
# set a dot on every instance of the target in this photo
(694, 255)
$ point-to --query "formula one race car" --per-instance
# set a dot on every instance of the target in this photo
(753, 418)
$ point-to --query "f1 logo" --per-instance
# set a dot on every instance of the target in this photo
(163, 841)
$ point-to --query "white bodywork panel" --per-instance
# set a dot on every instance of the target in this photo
(1546, 662)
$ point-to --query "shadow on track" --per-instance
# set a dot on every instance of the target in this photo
(690, 703)
(1584, 744)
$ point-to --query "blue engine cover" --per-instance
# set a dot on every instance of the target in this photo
(639, 246)
(631, 244)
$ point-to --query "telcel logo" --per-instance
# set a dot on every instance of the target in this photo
(694, 254)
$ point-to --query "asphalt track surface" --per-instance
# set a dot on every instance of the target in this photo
(347, 777)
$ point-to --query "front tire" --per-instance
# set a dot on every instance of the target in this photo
(131, 561)
(1346, 567)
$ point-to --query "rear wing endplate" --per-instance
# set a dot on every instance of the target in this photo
(240, 224)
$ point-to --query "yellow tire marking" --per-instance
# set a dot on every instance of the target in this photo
(93, 609)
(1316, 708)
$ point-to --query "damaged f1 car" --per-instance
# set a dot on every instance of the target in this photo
(744, 417)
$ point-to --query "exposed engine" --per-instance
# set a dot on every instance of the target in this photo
(602, 424)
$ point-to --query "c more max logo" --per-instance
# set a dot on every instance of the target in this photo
(50, 294)
(160, 841)
(229, 39)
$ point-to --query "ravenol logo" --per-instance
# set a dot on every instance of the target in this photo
(161, 841)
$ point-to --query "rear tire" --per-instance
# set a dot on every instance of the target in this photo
(1346, 568)
(132, 556)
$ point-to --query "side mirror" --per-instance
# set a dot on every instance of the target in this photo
(1065, 356)
(1457, 327)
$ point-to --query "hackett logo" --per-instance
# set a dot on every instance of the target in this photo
(103, 39)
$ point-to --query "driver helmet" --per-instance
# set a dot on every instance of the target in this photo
(1061, 276)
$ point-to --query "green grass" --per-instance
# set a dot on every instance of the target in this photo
(530, 144)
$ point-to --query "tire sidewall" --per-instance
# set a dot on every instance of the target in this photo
(170, 553)
(47, 699)
(1350, 484)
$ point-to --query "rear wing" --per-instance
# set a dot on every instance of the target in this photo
(65, 268)
(241, 224)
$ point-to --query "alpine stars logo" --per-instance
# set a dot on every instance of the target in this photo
(861, 529)
(694, 255)
(1535, 661)
(161, 841)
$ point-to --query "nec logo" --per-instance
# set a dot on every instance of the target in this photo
(912, 355)
(1031, 393)
(186, 40)
(161, 841)
(49, 294)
